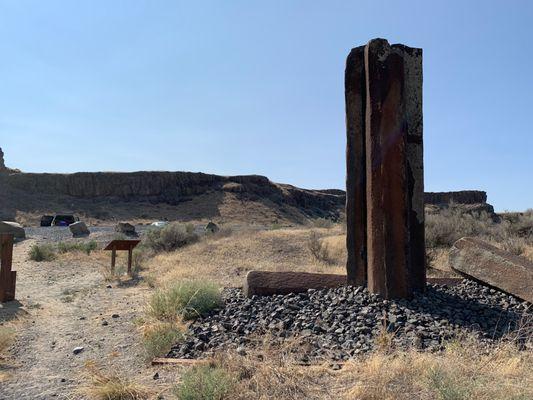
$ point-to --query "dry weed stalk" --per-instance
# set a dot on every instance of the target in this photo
(108, 386)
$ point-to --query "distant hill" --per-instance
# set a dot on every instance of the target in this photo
(100, 197)
(146, 196)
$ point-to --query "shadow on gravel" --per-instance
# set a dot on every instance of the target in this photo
(11, 310)
(493, 321)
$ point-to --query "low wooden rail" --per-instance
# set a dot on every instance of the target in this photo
(8, 278)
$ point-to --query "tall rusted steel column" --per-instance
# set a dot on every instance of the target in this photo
(355, 96)
(394, 210)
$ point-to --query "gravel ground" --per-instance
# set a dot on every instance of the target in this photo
(337, 324)
(62, 233)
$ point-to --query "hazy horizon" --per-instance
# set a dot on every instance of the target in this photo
(239, 88)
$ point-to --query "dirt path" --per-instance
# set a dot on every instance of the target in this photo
(64, 304)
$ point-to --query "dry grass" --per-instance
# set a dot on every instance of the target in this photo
(465, 371)
(108, 386)
(226, 260)
(158, 337)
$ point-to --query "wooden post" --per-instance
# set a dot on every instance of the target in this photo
(113, 260)
(130, 257)
(385, 227)
(8, 278)
(355, 96)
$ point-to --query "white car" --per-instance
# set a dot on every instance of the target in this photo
(159, 224)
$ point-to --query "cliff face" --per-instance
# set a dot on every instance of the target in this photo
(180, 195)
(460, 197)
(43, 193)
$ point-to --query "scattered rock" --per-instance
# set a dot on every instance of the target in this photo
(126, 228)
(211, 227)
(78, 350)
(105, 323)
(12, 228)
(338, 323)
(156, 376)
(115, 316)
(79, 229)
(483, 262)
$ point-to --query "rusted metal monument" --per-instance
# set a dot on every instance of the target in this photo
(8, 278)
(122, 245)
(384, 159)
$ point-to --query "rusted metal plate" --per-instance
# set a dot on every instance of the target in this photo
(122, 244)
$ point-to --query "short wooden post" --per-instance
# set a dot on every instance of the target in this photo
(113, 260)
(8, 278)
(130, 259)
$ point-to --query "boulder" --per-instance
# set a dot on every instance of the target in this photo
(126, 228)
(493, 267)
(79, 229)
(12, 228)
(211, 227)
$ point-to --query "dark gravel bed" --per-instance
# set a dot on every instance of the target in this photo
(337, 324)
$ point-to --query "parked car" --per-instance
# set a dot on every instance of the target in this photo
(159, 224)
(46, 220)
(64, 220)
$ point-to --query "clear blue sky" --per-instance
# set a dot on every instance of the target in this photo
(256, 87)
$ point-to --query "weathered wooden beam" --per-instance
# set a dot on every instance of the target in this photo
(481, 261)
(355, 96)
(385, 223)
(268, 283)
(265, 283)
(8, 278)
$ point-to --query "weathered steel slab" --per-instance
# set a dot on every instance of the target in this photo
(494, 267)
(355, 96)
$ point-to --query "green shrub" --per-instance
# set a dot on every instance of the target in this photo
(158, 338)
(170, 237)
(205, 383)
(186, 299)
(447, 226)
(42, 252)
(67, 247)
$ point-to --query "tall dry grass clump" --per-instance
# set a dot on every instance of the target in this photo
(184, 299)
(169, 306)
(205, 382)
(109, 386)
